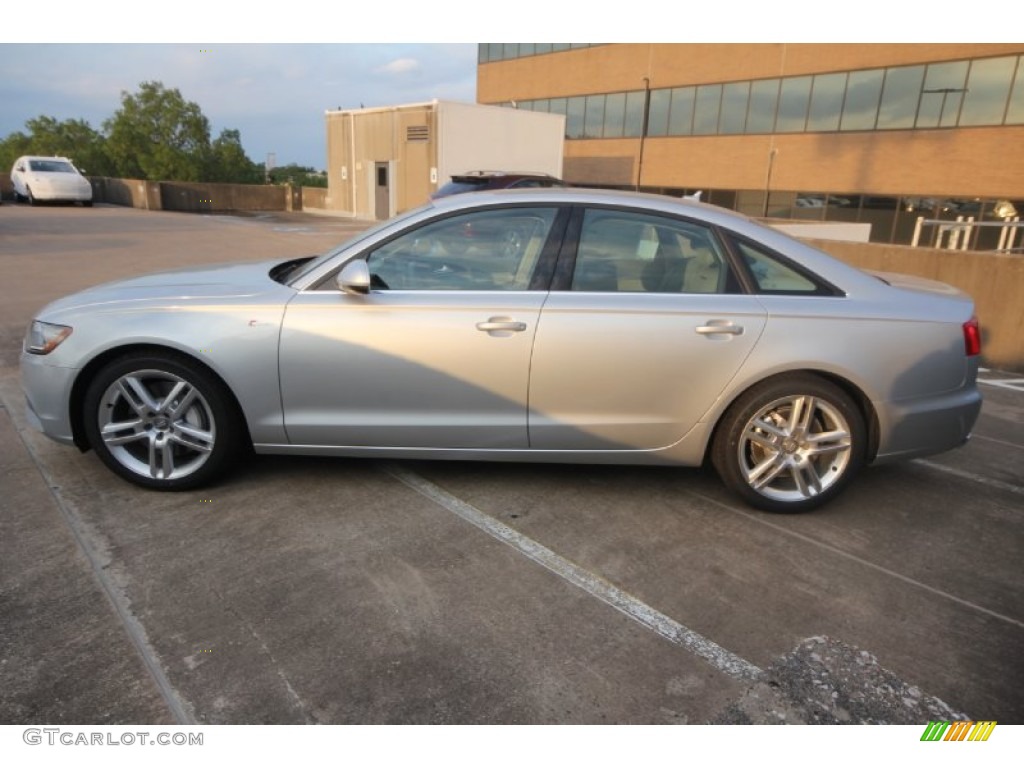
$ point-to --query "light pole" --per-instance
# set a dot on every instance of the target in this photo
(643, 130)
(768, 179)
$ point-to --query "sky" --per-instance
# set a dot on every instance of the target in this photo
(272, 72)
(274, 94)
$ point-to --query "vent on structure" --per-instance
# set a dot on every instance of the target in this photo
(417, 133)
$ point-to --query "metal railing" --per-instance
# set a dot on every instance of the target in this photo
(958, 233)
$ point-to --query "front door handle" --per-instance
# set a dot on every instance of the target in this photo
(499, 324)
(714, 327)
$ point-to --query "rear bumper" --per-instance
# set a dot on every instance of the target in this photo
(927, 426)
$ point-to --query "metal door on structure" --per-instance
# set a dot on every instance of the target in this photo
(382, 192)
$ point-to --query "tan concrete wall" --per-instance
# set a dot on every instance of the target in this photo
(314, 197)
(995, 281)
(134, 193)
(202, 197)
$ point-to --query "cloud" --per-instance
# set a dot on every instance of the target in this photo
(399, 67)
(275, 94)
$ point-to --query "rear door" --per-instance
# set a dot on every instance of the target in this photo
(647, 332)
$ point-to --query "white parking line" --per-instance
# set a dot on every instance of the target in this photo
(991, 482)
(723, 660)
(1017, 385)
(997, 441)
(849, 556)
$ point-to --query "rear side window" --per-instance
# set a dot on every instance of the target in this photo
(773, 275)
(628, 251)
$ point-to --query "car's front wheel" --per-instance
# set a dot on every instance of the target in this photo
(790, 444)
(162, 421)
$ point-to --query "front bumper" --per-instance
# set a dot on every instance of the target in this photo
(47, 391)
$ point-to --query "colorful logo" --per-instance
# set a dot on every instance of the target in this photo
(961, 730)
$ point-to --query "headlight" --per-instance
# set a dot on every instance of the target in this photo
(42, 338)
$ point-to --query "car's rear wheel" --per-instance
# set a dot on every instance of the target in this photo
(790, 444)
(162, 421)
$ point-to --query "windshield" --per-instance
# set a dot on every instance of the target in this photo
(368, 233)
(51, 166)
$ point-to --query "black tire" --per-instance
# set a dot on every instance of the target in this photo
(87, 203)
(31, 198)
(179, 426)
(790, 444)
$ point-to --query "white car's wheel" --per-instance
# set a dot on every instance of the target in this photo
(790, 444)
(162, 422)
(31, 198)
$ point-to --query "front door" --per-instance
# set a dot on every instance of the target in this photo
(437, 355)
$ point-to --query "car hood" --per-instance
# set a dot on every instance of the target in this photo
(226, 282)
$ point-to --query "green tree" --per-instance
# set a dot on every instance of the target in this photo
(75, 139)
(158, 135)
(228, 162)
(298, 175)
(11, 148)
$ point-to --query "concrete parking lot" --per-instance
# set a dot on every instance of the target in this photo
(354, 591)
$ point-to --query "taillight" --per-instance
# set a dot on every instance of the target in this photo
(972, 337)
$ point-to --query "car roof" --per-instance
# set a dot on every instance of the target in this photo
(44, 157)
(502, 175)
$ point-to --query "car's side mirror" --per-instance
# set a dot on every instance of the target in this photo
(354, 277)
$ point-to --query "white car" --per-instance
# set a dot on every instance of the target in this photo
(49, 178)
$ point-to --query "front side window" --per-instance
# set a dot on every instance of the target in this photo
(627, 252)
(495, 250)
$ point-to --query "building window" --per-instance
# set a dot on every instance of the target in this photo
(634, 126)
(826, 102)
(796, 92)
(593, 121)
(575, 108)
(938, 95)
(735, 98)
(680, 116)
(705, 115)
(900, 97)
(614, 115)
(764, 99)
(657, 118)
(860, 108)
(941, 96)
(1015, 112)
(988, 87)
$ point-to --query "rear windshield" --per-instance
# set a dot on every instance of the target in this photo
(458, 187)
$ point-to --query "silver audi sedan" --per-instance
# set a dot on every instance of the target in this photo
(552, 325)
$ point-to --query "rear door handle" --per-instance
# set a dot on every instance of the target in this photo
(720, 326)
(501, 324)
